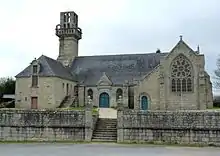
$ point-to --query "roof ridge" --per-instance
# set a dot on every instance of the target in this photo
(48, 57)
(45, 58)
(123, 54)
(183, 42)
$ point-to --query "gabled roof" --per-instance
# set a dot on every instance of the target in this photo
(104, 80)
(119, 68)
(181, 43)
(48, 67)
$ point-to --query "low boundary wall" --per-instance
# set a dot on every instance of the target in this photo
(172, 127)
(46, 125)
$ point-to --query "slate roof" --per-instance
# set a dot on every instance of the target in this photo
(48, 67)
(118, 68)
(88, 70)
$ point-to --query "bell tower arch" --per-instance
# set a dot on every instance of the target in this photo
(69, 35)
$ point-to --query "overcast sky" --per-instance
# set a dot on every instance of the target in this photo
(27, 28)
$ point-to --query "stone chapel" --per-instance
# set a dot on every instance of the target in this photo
(173, 80)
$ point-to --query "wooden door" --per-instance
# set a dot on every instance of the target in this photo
(34, 104)
(104, 100)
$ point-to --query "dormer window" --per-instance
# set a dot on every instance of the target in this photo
(35, 70)
(35, 66)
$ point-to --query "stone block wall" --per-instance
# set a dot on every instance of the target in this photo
(44, 125)
(172, 127)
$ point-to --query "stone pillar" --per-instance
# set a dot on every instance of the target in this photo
(162, 102)
(81, 96)
(89, 103)
(120, 130)
(202, 92)
(137, 107)
(120, 103)
(125, 95)
(88, 120)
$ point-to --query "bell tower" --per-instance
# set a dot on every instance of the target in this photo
(69, 35)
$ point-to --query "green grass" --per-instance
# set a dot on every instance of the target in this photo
(94, 110)
(215, 107)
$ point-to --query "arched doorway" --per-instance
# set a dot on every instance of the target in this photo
(144, 103)
(104, 100)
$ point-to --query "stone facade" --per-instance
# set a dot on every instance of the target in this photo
(156, 86)
(46, 125)
(50, 91)
(172, 127)
(111, 90)
(154, 81)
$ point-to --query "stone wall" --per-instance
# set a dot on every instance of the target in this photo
(45, 125)
(50, 92)
(172, 127)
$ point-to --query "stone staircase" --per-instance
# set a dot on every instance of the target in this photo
(105, 130)
(68, 101)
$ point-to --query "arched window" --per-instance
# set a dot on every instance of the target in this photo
(90, 93)
(181, 75)
(119, 92)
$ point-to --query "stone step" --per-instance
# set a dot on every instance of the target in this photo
(107, 119)
(106, 127)
(105, 134)
(100, 125)
(103, 121)
(106, 130)
(104, 138)
(101, 140)
(110, 120)
(105, 124)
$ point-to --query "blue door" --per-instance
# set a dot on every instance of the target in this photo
(144, 103)
(104, 100)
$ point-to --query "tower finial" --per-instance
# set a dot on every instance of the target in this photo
(181, 37)
(198, 49)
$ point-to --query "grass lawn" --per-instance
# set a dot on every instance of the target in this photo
(94, 110)
(215, 108)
